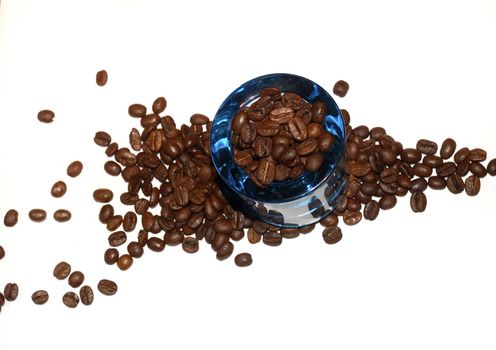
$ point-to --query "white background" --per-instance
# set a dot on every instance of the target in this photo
(422, 69)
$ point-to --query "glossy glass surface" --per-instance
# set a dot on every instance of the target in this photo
(289, 203)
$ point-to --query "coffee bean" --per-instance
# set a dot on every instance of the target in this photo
(448, 147)
(39, 297)
(46, 116)
(314, 162)
(477, 155)
(101, 78)
(75, 168)
(432, 161)
(371, 210)
(62, 215)
(422, 170)
(76, 279)
(135, 249)
(411, 155)
(117, 238)
(332, 235)
(352, 217)
(137, 110)
(2, 253)
(341, 88)
(225, 251)
(389, 175)
(135, 139)
(461, 155)
(190, 245)
(455, 184)
(238, 121)
(37, 215)
(103, 195)
(387, 202)
(11, 291)
(11, 218)
(70, 299)
(106, 212)
(306, 147)
(129, 221)
(159, 105)
(155, 244)
(472, 185)
(446, 169)
(86, 295)
(102, 139)
(198, 119)
(107, 287)
(491, 167)
(112, 168)
(111, 256)
(298, 129)
(62, 270)
(266, 171)
(125, 261)
(477, 169)
(262, 146)
(426, 146)
(2, 300)
(418, 202)
(437, 183)
(248, 133)
(111, 149)
(58, 189)
(223, 226)
(243, 260)
(272, 238)
(463, 168)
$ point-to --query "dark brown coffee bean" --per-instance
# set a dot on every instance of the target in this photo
(46, 116)
(266, 171)
(74, 169)
(62, 270)
(102, 139)
(352, 217)
(455, 184)
(477, 155)
(101, 78)
(111, 149)
(325, 141)
(37, 215)
(111, 256)
(225, 251)
(359, 169)
(422, 170)
(103, 195)
(377, 132)
(446, 169)
(62, 215)
(11, 291)
(306, 147)
(472, 185)
(253, 236)
(341, 88)
(477, 169)
(281, 115)
(2, 253)
(353, 150)
(388, 156)
(267, 128)
(137, 110)
(114, 222)
(112, 168)
(298, 129)
(135, 139)
(432, 161)
(86, 295)
(314, 130)
(262, 146)
(70, 299)
(272, 238)
(141, 206)
(248, 133)
(411, 155)
(491, 167)
(404, 181)
(11, 217)
(117, 238)
(159, 105)
(58, 189)
(318, 111)
(436, 183)
(135, 249)
(190, 245)
(223, 226)
(387, 202)
(198, 119)
(371, 210)
(107, 287)
(314, 162)
(419, 185)
(332, 235)
(129, 221)
(288, 155)
(389, 175)
(463, 168)
(361, 131)
(448, 148)
(418, 202)
(461, 155)
(239, 120)
(39, 297)
(243, 260)
(426, 146)
(125, 261)
(76, 279)
(155, 244)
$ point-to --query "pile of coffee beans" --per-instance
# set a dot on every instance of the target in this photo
(279, 136)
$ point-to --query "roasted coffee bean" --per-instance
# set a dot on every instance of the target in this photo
(461, 155)
(387, 201)
(159, 105)
(446, 169)
(477, 169)
(135, 249)
(11, 291)
(353, 150)
(437, 183)
(432, 161)
(225, 251)
(463, 168)
(223, 226)
(135, 139)
(361, 131)
(248, 133)
(101, 77)
(127, 198)
(238, 121)
(306, 147)
(2, 300)
(111, 149)
(39, 297)
(477, 155)
(314, 162)
(272, 238)
(37, 215)
(117, 238)
(298, 129)
(455, 184)
(62, 215)
(86, 295)
(112, 168)
(267, 128)
(353, 204)
(190, 245)
(74, 169)
(411, 155)
(253, 236)
(314, 130)
(58, 189)
(103, 195)
(266, 171)
(377, 132)
(472, 185)
(371, 210)
(332, 235)
(129, 221)
(46, 116)
(491, 167)
(419, 185)
(325, 141)
(62, 270)
(422, 170)
(155, 244)
(198, 119)
(389, 188)
(70, 299)
(318, 111)
(114, 222)
(107, 287)
(352, 217)
(448, 148)
(76, 279)
(125, 261)
(102, 139)
(363, 198)
(262, 146)
(426, 146)
(137, 110)
(111, 256)
(243, 260)
(11, 217)
(359, 169)
(341, 88)
(389, 175)
(404, 181)
(2, 253)
(418, 202)
(218, 240)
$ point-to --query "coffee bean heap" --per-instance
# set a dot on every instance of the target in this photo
(279, 136)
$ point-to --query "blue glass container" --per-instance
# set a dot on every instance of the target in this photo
(289, 203)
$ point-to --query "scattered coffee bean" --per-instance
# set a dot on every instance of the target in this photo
(70, 299)
(111, 256)
(455, 184)
(39, 297)
(426, 146)
(437, 183)
(2, 252)
(102, 139)
(125, 261)
(11, 291)
(2, 300)
(62, 215)
(448, 148)
(11, 218)
(106, 212)
(117, 238)
(477, 155)
(62, 270)
(107, 287)
(58, 189)
(101, 78)
(103, 195)
(243, 259)
(159, 105)
(137, 110)
(491, 167)
(112, 168)
(225, 251)
(418, 202)
(76, 279)
(46, 116)
(472, 185)
(332, 234)
(190, 245)
(37, 215)
(371, 210)
(135, 250)
(155, 244)
(341, 88)
(86, 295)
